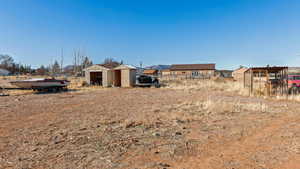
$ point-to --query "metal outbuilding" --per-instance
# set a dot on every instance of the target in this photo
(111, 75)
(124, 76)
(99, 75)
(238, 74)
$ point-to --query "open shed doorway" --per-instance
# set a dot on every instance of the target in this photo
(96, 78)
(117, 79)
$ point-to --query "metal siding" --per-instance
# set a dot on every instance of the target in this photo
(110, 77)
(132, 77)
(125, 74)
(104, 79)
(87, 77)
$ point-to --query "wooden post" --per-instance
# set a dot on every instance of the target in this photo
(268, 85)
(251, 81)
(286, 83)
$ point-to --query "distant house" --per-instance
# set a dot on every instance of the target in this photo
(238, 74)
(294, 70)
(200, 70)
(4, 72)
(165, 72)
(152, 72)
(224, 73)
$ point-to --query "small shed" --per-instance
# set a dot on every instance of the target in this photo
(267, 80)
(101, 74)
(238, 74)
(124, 76)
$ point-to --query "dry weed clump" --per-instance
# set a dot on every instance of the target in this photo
(79, 83)
(220, 85)
(224, 106)
(290, 97)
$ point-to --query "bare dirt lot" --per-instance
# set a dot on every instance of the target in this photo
(148, 128)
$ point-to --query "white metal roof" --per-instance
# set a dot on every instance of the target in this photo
(125, 67)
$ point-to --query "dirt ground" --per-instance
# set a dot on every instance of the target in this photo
(148, 128)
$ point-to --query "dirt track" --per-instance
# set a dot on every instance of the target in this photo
(147, 128)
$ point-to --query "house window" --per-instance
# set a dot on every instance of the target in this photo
(195, 73)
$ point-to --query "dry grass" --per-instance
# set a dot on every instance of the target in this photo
(147, 128)
(216, 85)
(213, 105)
(290, 97)
(222, 85)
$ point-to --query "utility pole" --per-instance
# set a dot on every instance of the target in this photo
(141, 64)
(62, 60)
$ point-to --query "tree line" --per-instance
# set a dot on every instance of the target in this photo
(80, 62)
(8, 63)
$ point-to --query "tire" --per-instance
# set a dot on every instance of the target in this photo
(293, 90)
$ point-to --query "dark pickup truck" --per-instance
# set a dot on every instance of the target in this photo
(147, 81)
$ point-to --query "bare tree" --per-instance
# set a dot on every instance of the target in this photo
(108, 60)
(76, 55)
(86, 62)
(81, 61)
(6, 61)
(55, 67)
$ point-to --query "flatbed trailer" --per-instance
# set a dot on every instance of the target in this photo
(50, 88)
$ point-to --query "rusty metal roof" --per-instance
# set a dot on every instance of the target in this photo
(150, 71)
(193, 67)
(269, 69)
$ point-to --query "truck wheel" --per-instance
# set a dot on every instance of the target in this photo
(156, 84)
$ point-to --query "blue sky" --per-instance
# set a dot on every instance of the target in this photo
(226, 32)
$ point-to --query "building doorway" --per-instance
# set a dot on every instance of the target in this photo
(96, 78)
(117, 79)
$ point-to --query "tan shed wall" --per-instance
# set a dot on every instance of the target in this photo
(238, 76)
(125, 78)
(128, 77)
(87, 77)
(110, 78)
